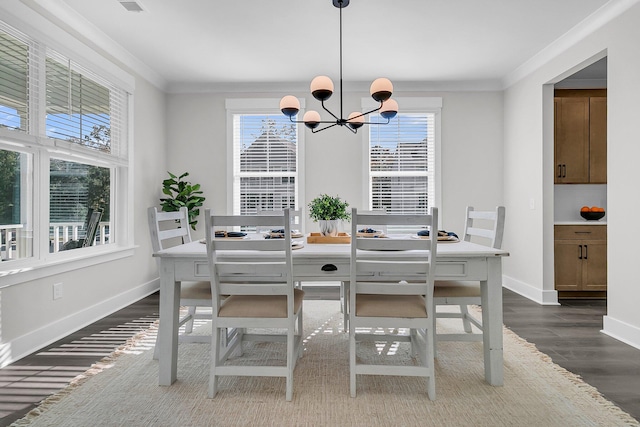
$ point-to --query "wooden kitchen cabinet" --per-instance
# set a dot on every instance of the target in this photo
(580, 136)
(580, 261)
(598, 139)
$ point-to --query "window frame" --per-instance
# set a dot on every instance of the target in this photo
(258, 106)
(407, 105)
(41, 263)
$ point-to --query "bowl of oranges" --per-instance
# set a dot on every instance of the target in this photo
(592, 213)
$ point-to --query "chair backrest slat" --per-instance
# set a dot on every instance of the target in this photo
(380, 259)
(165, 226)
(239, 272)
(493, 230)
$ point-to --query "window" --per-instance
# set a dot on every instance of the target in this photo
(78, 194)
(63, 141)
(16, 171)
(402, 158)
(265, 150)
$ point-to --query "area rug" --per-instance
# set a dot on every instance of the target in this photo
(122, 390)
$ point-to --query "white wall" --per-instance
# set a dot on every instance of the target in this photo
(29, 317)
(528, 169)
(471, 151)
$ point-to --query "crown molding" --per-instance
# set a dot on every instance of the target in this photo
(593, 22)
(350, 87)
(66, 18)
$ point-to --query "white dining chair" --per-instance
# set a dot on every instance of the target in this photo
(258, 292)
(344, 301)
(483, 227)
(168, 229)
(391, 289)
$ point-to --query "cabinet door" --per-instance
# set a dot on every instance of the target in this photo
(598, 140)
(568, 265)
(572, 140)
(594, 262)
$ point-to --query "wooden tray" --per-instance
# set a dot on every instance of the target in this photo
(319, 238)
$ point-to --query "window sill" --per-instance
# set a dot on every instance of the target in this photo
(14, 273)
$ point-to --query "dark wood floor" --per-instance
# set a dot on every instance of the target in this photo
(569, 333)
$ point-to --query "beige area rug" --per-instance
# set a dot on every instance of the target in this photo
(122, 390)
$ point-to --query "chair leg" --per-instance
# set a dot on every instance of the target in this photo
(300, 332)
(215, 357)
(431, 379)
(352, 361)
(156, 350)
(291, 355)
(344, 297)
(188, 327)
(435, 335)
(464, 311)
(413, 342)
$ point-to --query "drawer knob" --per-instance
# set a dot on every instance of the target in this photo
(329, 267)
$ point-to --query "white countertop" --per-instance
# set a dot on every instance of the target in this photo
(581, 222)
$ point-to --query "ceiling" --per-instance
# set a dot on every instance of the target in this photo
(204, 43)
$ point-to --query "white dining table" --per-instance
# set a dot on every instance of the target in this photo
(331, 262)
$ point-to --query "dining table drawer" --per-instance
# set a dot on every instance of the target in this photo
(321, 268)
(461, 270)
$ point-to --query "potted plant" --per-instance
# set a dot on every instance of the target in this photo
(182, 193)
(327, 211)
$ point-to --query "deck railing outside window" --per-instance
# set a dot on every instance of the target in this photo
(58, 232)
(8, 239)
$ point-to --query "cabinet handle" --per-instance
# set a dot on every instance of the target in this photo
(329, 267)
(580, 256)
(586, 253)
(564, 171)
(559, 171)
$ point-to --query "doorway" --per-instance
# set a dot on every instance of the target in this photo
(579, 187)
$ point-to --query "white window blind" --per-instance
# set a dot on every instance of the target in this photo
(402, 163)
(265, 159)
(82, 108)
(15, 57)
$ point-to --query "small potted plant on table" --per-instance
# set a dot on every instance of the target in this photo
(327, 211)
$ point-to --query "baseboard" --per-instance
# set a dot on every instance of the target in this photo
(35, 340)
(541, 296)
(621, 331)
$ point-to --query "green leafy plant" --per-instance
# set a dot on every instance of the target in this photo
(182, 193)
(325, 207)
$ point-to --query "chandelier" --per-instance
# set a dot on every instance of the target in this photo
(322, 89)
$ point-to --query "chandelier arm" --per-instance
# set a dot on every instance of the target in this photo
(367, 113)
(321, 121)
(328, 111)
(373, 111)
(351, 129)
(324, 128)
(377, 123)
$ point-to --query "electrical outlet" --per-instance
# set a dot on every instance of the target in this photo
(57, 291)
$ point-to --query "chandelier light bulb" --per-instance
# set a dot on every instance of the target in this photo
(389, 109)
(321, 88)
(381, 89)
(289, 105)
(355, 120)
(311, 119)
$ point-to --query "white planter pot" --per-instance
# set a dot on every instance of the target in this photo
(328, 227)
